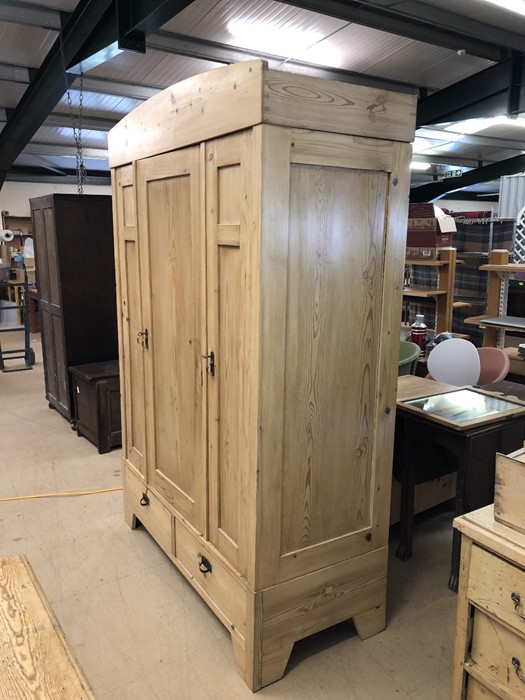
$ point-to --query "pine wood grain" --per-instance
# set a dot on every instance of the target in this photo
(35, 661)
(280, 249)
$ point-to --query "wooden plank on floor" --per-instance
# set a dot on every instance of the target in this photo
(35, 660)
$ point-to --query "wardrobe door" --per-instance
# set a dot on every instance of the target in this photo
(131, 326)
(233, 215)
(171, 225)
(50, 299)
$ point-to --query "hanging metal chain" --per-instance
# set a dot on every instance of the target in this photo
(76, 123)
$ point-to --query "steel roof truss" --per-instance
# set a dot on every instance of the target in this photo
(478, 95)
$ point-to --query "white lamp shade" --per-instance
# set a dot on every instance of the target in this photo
(454, 361)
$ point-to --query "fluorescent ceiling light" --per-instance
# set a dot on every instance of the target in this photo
(416, 165)
(303, 44)
(512, 5)
(473, 126)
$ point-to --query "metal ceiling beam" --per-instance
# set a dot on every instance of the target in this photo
(49, 83)
(79, 35)
(126, 28)
(23, 174)
(55, 149)
(33, 15)
(24, 74)
(439, 34)
(16, 74)
(217, 52)
(448, 160)
(118, 88)
(57, 119)
(430, 192)
(473, 92)
(63, 120)
(445, 19)
(471, 139)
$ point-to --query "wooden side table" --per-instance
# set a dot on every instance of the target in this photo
(96, 390)
(489, 656)
(466, 446)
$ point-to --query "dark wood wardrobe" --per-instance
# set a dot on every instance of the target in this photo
(73, 237)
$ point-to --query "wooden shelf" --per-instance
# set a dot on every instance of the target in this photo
(474, 320)
(508, 267)
(422, 292)
(461, 304)
(427, 263)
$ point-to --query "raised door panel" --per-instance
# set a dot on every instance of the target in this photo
(232, 222)
(328, 365)
(54, 354)
(130, 318)
(171, 225)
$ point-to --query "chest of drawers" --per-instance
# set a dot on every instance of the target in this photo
(489, 657)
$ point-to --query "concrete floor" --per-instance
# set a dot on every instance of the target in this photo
(139, 630)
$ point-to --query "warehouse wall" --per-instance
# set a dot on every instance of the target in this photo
(15, 196)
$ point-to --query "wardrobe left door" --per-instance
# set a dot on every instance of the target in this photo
(171, 224)
(130, 318)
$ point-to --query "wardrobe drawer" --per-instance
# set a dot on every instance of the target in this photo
(212, 577)
(500, 653)
(476, 691)
(155, 517)
(498, 587)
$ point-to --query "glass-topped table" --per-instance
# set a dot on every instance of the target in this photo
(463, 408)
(454, 431)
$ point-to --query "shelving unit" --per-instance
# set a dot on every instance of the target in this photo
(22, 306)
(499, 273)
(443, 293)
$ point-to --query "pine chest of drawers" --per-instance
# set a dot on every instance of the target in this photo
(489, 658)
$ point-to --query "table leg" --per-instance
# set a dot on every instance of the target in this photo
(464, 456)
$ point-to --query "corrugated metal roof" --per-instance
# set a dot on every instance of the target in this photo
(153, 68)
(67, 5)
(64, 136)
(10, 94)
(97, 104)
(23, 45)
(270, 27)
(478, 10)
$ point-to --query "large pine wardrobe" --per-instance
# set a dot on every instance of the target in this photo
(260, 222)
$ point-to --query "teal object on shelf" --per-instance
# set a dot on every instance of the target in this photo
(408, 354)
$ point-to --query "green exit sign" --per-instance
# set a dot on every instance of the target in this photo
(453, 173)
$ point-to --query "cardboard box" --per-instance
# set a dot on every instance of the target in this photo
(428, 239)
(421, 211)
(427, 232)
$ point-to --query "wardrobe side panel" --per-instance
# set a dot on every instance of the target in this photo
(127, 257)
(323, 279)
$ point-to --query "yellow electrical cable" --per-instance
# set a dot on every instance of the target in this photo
(57, 495)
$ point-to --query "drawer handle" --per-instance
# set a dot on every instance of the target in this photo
(144, 501)
(205, 566)
(516, 599)
(517, 665)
